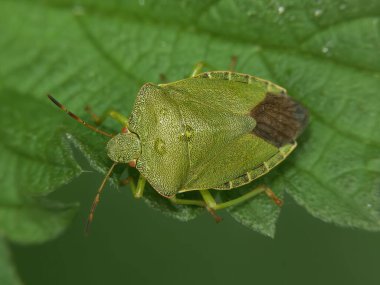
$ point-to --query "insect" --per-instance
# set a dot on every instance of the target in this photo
(215, 130)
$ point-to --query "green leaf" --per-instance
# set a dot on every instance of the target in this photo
(8, 275)
(100, 53)
(181, 212)
(35, 160)
(259, 213)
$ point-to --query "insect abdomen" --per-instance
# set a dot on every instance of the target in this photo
(260, 170)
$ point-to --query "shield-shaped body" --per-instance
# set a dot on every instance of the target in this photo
(218, 130)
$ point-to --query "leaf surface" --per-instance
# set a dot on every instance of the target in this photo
(99, 53)
(8, 275)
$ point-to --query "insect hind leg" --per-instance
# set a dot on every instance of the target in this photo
(199, 203)
(211, 205)
(258, 190)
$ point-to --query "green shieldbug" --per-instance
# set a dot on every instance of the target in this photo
(215, 130)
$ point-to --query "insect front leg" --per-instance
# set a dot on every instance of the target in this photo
(200, 65)
(198, 68)
(137, 190)
(108, 113)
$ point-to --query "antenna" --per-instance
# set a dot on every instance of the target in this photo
(97, 198)
(75, 117)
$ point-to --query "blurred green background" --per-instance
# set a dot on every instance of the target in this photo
(132, 244)
(326, 53)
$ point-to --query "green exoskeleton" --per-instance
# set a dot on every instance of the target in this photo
(215, 130)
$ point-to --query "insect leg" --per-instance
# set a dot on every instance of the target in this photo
(233, 63)
(198, 68)
(163, 78)
(175, 200)
(108, 113)
(200, 203)
(137, 190)
(247, 196)
(210, 204)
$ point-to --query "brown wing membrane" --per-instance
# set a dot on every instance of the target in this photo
(279, 119)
